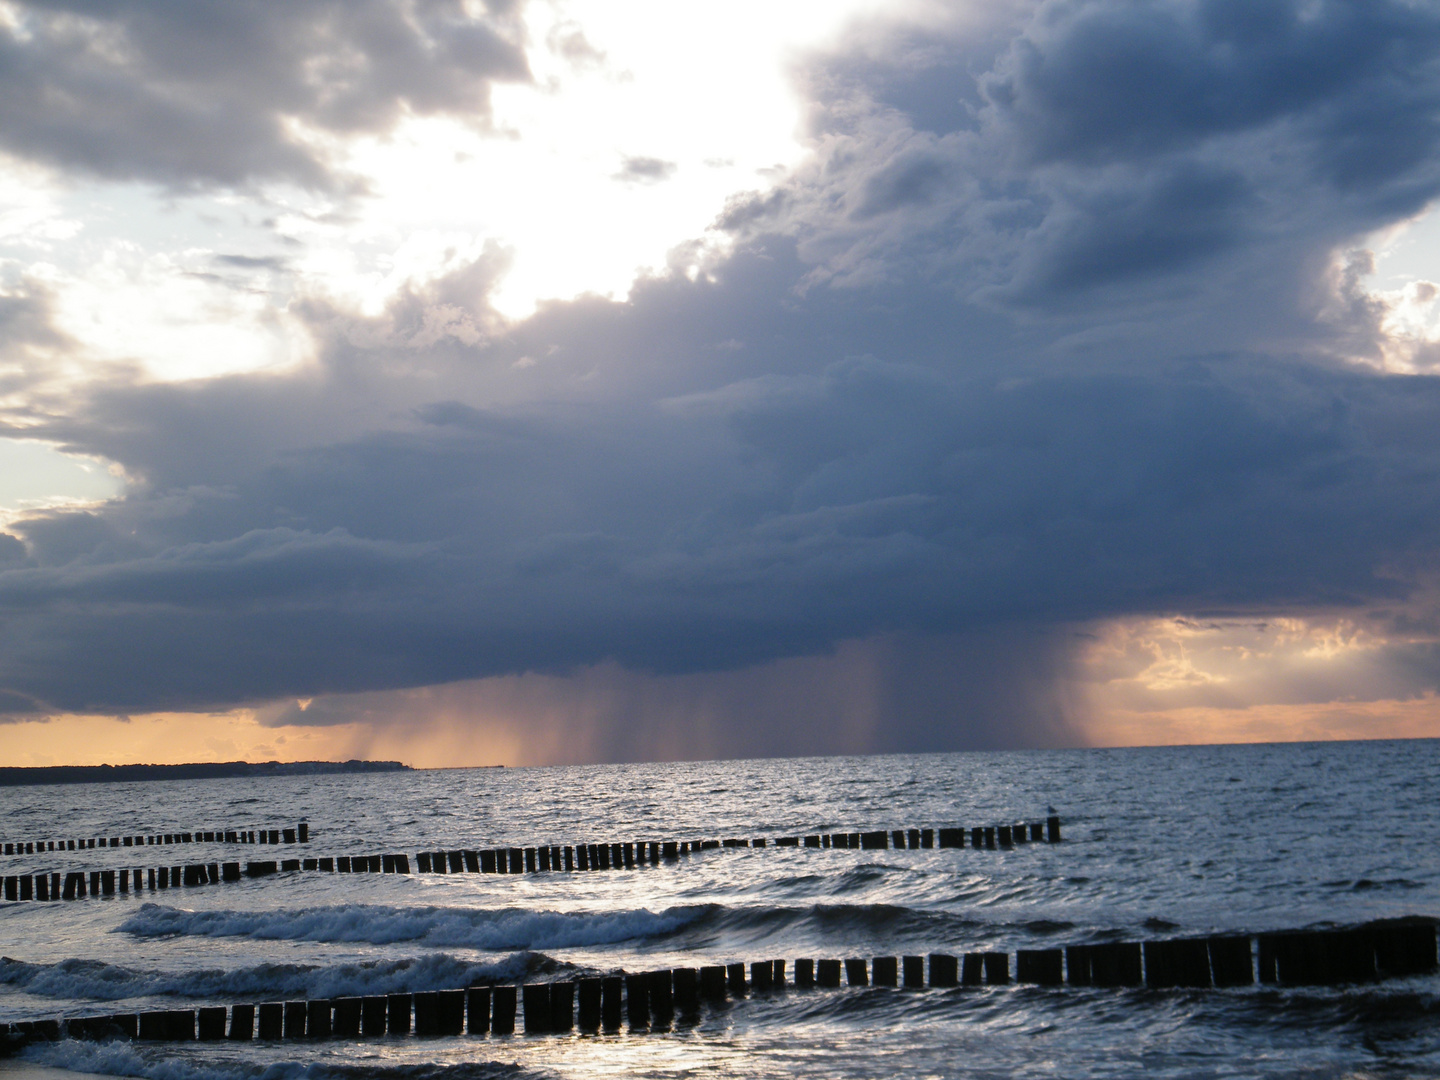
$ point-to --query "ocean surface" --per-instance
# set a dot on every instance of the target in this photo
(1158, 842)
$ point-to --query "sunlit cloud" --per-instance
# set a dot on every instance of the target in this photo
(1181, 680)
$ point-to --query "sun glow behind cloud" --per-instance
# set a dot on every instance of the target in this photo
(624, 147)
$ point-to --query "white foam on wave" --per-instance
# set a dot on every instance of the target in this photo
(440, 927)
(126, 1059)
(98, 981)
(162, 1062)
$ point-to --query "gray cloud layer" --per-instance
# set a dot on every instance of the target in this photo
(195, 92)
(1048, 333)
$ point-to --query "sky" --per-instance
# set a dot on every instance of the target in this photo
(537, 382)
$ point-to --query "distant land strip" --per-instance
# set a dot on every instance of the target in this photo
(200, 770)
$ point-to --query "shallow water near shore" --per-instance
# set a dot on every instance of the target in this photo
(1158, 842)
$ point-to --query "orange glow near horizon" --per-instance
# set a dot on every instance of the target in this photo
(447, 740)
(1139, 682)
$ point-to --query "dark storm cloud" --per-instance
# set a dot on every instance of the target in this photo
(1002, 371)
(770, 516)
(1099, 150)
(203, 92)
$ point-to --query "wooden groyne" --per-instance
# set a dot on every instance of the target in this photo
(655, 1000)
(544, 858)
(296, 834)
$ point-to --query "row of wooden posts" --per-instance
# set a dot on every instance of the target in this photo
(77, 885)
(300, 834)
(992, 837)
(653, 1000)
(629, 856)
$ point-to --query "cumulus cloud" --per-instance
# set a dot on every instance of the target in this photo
(226, 93)
(1010, 369)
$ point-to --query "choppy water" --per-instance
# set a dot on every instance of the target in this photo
(1158, 842)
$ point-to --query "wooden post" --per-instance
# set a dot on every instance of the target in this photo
(1404, 948)
(1019, 832)
(397, 1014)
(317, 1019)
(1052, 829)
(662, 998)
(272, 1021)
(827, 974)
(990, 837)
(502, 1015)
(212, 1024)
(242, 1023)
(372, 1015)
(886, 970)
(762, 975)
(712, 982)
(735, 980)
(687, 990)
(873, 840)
(913, 968)
(450, 1012)
(295, 1019)
(535, 998)
(531, 865)
(477, 1010)
(1115, 963)
(1003, 835)
(562, 1006)
(427, 1022)
(1176, 963)
(856, 972)
(611, 1002)
(944, 970)
(804, 974)
(589, 1005)
(517, 860)
(347, 1018)
(1077, 964)
(977, 837)
(1043, 967)
(972, 973)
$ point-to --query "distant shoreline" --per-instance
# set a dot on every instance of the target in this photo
(15, 776)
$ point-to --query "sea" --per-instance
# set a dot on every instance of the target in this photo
(1157, 843)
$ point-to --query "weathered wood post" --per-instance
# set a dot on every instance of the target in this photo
(242, 1023)
(612, 992)
(502, 1016)
(477, 1010)
(589, 1005)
